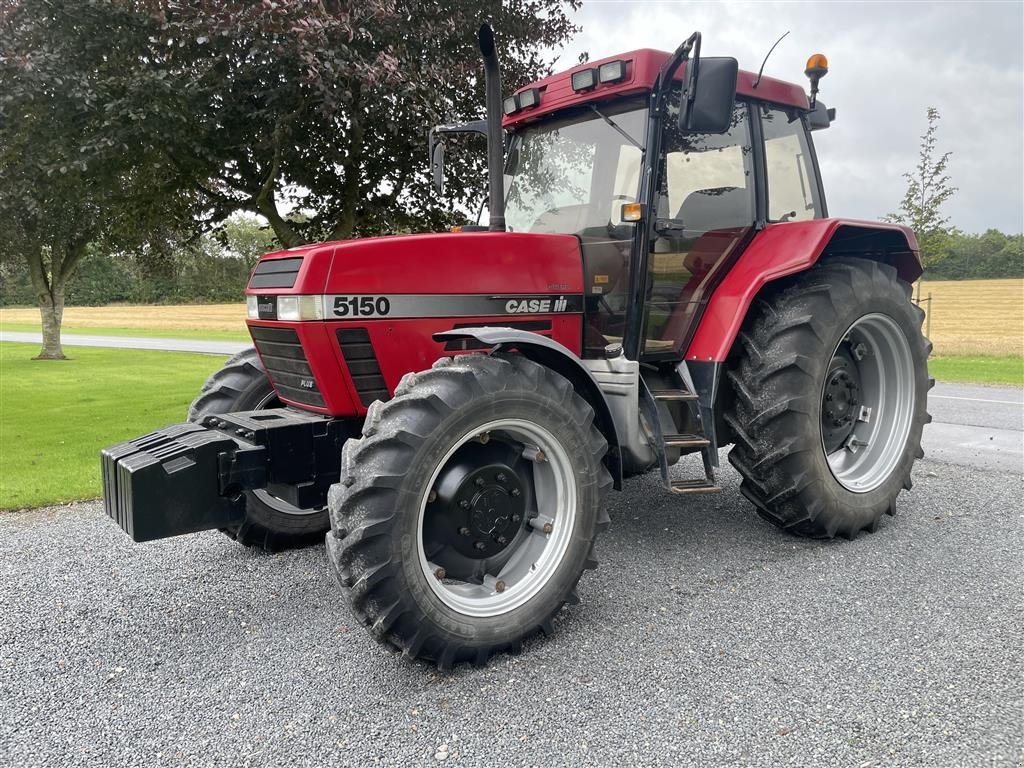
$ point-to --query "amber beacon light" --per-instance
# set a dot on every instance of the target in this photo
(817, 68)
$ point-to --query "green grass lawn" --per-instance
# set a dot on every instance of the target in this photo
(978, 369)
(156, 333)
(55, 416)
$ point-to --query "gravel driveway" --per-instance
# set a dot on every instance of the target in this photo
(706, 637)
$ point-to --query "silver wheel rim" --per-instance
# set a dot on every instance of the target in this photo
(885, 407)
(270, 402)
(537, 554)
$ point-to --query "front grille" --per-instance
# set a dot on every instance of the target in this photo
(362, 364)
(276, 273)
(286, 364)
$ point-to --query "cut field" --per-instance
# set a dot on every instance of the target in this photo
(198, 320)
(57, 415)
(975, 317)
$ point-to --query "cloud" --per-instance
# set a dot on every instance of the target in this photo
(888, 63)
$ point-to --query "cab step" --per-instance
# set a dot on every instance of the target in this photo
(686, 441)
(672, 394)
(693, 486)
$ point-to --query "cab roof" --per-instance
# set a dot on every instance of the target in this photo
(642, 67)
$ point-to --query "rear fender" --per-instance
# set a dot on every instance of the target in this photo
(785, 249)
(551, 354)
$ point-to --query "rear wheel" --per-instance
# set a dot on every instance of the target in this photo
(468, 510)
(270, 523)
(830, 399)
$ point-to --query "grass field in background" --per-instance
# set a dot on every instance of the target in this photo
(976, 317)
(164, 318)
(153, 333)
(57, 415)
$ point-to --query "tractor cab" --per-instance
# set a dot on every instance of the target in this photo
(660, 208)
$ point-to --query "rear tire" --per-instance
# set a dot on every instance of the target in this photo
(270, 523)
(830, 399)
(419, 561)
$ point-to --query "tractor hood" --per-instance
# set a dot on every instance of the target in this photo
(464, 263)
(337, 325)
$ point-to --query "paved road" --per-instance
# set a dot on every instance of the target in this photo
(705, 638)
(133, 342)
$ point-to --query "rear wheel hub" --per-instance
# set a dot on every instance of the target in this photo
(840, 401)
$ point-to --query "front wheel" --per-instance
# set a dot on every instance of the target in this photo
(270, 523)
(468, 511)
(830, 399)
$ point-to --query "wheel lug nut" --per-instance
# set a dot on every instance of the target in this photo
(828, 398)
(463, 531)
(548, 527)
(499, 586)
(440, 573)
(515, 491)
(431, 497)
(464, 504)
(479, 481)
(516, 518)
(479, 546)
(502, 540)
(500, 477)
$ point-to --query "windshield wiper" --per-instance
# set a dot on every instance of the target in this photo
(617, 127)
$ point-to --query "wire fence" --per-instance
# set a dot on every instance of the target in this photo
(927, 310)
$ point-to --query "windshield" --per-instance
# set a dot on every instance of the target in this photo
(571, 176)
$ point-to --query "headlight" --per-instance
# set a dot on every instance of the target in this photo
(252, 307)
(294, 308)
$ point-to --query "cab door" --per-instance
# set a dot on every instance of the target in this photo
(705, 216)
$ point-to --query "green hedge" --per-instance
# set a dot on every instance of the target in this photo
(985, 256)
(192, 277)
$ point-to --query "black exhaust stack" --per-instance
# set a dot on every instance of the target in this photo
(495, 142)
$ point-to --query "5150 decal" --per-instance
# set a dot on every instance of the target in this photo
(361, 306)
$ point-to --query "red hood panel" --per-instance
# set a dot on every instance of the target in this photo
(463, 263)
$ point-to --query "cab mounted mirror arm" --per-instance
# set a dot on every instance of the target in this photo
(435, 146)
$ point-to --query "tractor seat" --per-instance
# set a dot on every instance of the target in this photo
(705, 210)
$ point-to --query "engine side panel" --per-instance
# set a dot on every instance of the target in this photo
(785, 249)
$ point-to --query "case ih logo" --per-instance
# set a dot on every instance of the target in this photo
(535, 306)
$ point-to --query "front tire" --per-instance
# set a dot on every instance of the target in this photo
(270, 523)
(830, 399)
(468, 511)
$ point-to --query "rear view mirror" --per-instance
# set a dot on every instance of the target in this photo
(435, 146)
(437, 166)
(713, 89)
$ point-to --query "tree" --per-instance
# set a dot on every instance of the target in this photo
(247, 238)
(325, 106)
(928, 187)
(136, 123)
(73, 166)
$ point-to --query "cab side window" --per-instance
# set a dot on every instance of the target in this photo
(707, 178)
(705, 208)
(792, 188)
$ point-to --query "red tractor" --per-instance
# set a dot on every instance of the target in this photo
(659, 277)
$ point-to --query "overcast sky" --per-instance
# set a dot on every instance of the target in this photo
(888, 62)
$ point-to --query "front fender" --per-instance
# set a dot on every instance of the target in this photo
(551, 354)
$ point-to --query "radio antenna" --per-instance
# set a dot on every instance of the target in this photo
(758, 80)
